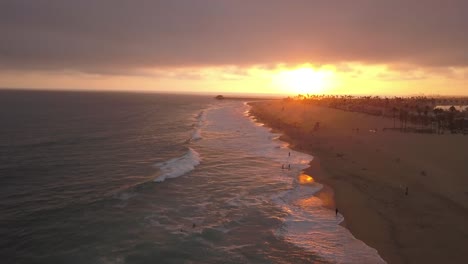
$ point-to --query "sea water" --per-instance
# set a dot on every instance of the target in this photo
(156, 178)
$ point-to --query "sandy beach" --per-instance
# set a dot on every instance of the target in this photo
(370, 170)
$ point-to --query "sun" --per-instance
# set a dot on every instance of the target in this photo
(304, 80)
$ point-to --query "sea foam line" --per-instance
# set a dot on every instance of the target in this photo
(178, 166)
(308, 224)
(196, 135)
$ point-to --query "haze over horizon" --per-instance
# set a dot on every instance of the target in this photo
(262, 47)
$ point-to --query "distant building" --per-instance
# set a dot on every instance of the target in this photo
(219, 97)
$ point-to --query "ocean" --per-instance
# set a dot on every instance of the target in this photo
(88, 177)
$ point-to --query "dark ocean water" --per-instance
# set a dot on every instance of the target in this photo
(155, 178)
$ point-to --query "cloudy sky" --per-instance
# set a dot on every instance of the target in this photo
(361, 46)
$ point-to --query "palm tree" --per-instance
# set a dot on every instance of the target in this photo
(439, 117)
(404, 118)
(426, 112)
(401, 117)
(451, 117)
(419, 111)
(394, 110)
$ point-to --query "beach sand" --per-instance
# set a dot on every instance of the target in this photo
(369, 172)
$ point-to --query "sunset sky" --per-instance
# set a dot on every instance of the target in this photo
(387, 47)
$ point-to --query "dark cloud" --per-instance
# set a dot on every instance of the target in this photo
(116, 35)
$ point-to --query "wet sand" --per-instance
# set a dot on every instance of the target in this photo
(368, 172)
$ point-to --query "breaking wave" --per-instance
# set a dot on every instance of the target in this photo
(179, 166)
(200, 119)
(196, 135)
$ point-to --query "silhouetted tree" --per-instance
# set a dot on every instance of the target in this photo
(439, 117)
(394, 110)
(426, 112)
(419, 111)
(451, 117)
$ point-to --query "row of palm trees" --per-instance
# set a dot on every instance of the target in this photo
(378, 99)
(420, 110)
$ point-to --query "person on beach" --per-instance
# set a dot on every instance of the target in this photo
(289, 166)
(289, 154)
(336, 212)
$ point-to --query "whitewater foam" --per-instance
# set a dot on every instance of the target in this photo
(200, 120)
(196, 135)
(308, 224)
(246, 158)
(178, 166)
(201, 117)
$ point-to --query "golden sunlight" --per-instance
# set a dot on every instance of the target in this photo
(304, 80)
(304, 179)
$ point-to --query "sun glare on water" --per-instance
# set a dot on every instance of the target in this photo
(304, 179)
(304, 80)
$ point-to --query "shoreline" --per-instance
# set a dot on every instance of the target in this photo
(365, 173)
(315, 170)
(326, 194)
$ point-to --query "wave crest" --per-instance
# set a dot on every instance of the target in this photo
(196, 135)
(179, 166)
